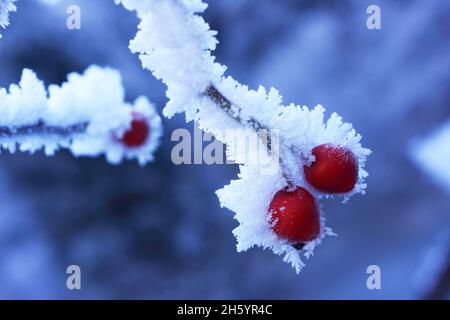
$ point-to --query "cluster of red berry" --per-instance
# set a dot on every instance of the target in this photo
(294, 213)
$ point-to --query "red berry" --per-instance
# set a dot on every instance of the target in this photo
(295, 216)
(335, 169)
(138, 133)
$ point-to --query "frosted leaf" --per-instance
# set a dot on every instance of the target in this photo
(87, 115)
(6, 6)
(176, 45)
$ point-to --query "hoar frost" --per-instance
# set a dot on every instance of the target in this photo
(91, 107)
(176, 44)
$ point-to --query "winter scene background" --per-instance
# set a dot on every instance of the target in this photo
(158, 232)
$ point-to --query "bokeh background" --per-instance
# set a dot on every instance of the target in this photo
(158, 232)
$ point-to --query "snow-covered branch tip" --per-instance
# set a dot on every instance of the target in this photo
(87, 115)
(176, 44)
(6, 6)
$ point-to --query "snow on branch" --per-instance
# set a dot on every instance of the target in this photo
(6, 6)
(176, 44)
(87, 115)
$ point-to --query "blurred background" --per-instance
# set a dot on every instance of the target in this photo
(158, 232)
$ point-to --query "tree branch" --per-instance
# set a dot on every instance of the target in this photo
(235, 112)
(41, 128)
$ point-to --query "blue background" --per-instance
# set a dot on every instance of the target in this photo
(159, 232)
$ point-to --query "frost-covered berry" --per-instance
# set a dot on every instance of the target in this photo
(138, 133)
(335, 169)
(295, 216)
(197, 87)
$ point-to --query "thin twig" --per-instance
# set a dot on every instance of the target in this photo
(235, 112)
(41, 128)
(262, 130)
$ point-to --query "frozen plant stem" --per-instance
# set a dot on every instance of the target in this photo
(40, 128)
(234, 112)
(197, 86)
(263, 132)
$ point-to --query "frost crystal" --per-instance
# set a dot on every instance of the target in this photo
(432, 154)
(176, 44)
(6, 6)
(86, 115)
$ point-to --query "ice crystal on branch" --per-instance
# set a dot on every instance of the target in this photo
(87, 115)
(6, 6)
(176, 44)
